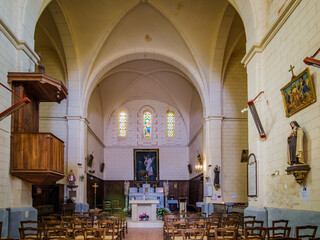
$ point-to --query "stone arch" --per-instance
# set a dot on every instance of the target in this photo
(109, 64)
(246, 11)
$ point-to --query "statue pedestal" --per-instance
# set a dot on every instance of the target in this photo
(299, 171)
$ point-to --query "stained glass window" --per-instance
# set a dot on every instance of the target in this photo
(170, 124)
(147, 124)
(122, 124)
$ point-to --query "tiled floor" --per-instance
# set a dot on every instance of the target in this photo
(144, 234)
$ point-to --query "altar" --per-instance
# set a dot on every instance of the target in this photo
(147, 193)
(144, 206)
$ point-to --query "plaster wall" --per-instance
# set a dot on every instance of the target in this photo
(96, 148)
(95, 114)
(13, 191)
(297, 38)
(173, 152)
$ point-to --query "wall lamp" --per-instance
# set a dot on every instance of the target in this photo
(199, 165)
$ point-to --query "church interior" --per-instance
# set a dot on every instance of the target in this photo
(129, 108)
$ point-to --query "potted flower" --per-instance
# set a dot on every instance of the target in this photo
(144, 217)
(161, 211)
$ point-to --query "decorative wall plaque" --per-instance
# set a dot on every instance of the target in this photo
(252, 176)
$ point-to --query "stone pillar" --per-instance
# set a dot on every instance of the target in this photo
(77, 147)
(211, 151)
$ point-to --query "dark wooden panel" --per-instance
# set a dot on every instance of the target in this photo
(25, 119)
(51, 195)
(114, 190)
(196, 190)
(37, 157)
(91, 180)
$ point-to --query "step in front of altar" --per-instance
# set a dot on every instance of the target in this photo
(145, 224)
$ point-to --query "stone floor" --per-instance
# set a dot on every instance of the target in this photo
(144, 234)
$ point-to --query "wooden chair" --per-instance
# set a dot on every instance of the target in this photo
(112, 229)
(31, 223)
(116, 205)
(216, 214)
(56, 233)
(248, 218)
(78, 216)
(48, 218)
(30, 233)
(78, 227)
(243, 220)
(225, 233)
(254, 223)
(193, 234)
(306, 231)
(280, 223)
(246, 224)
(254, 233)
(95, 233)
(66, 222)
(107, 206)
(278, 232)
(214, 223)
(52, 223)
(176, 228)
(167, 231)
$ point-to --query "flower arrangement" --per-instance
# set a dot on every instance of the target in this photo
(144, 217)
(161, 211)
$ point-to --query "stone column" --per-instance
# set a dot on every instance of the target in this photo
(77, 147)
(212, 151)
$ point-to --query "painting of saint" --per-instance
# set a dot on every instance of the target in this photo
(146, 165)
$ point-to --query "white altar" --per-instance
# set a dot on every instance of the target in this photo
(144, 206)
(147, 193)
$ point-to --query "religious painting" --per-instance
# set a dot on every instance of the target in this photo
(244, 155)
(146, 165)
(252, 176)
(298, 94)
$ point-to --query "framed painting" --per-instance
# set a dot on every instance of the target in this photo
(252, 176)
(298, 94)
(146, 165)
(244, 155)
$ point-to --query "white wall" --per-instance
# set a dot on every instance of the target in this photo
(173, 152)
(268, 71)
(234, 130)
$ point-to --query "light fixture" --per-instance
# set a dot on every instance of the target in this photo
(199, 165)
(312, 61)
(16, 106)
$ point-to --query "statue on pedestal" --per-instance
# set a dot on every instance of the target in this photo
(297, 167)
(126, 194)
(295, 144)
(71, 178)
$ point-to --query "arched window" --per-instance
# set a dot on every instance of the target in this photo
(170, 124)
(147, 124)
(122, 124)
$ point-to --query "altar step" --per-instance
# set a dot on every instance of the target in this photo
(145, 224)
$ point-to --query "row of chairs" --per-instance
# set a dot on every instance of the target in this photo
(116, 226)
(246, 227)
(63, 233)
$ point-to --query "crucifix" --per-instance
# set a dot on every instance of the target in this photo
(291, 70)
(146, 176)
(95, 186)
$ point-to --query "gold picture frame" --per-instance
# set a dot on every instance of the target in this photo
(298, 93)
